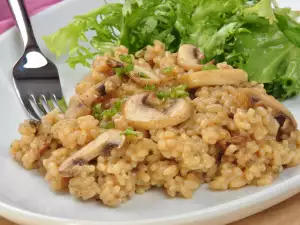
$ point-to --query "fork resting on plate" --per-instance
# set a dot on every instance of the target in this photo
(35, 77)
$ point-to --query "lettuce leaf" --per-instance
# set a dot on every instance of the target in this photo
(288, 26)
(73, 38)
(263, 9)
(269, 58)
(254, 35)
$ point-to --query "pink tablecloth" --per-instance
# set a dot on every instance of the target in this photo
(33, 6)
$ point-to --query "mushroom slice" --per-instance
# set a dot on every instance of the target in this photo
(143, 116)
(102, 145)
(214, 77)
(256, 97)
(80, 105)
(139, 74)
(144, 76)
(188, 57)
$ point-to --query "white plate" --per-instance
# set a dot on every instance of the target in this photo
(25, 197)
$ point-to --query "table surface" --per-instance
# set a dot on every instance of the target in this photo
(288, 210)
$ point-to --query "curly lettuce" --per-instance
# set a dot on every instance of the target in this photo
(254, 35)
(74, 40)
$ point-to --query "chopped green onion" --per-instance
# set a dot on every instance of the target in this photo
(130, 132)
(109, 125)
(96, 111)
(126, 58)
(99, 113)
(150, 87)
(168, 69)
(109, 113)
(162, 95)
(209, 67)
(173, 93)
(119, 71)
(143, 75)
(127, 68)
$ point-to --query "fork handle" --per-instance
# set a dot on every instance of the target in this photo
(22, 19)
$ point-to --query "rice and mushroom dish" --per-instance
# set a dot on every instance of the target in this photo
(160, 119)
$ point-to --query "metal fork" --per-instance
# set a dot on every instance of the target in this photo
(35, 77)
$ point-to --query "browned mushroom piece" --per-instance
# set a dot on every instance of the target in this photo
(189, 57)
(283, 116)
(102, 145)
(214, 77)
(34, 124)
(144, 76)
(80, 105)
(143, 116)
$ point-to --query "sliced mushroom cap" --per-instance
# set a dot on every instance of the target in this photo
(214, 77)
(144, 76)
(139, 74)
(256, 97)
(80, 105)
(142, 116)
(189, 57)
(102, 145)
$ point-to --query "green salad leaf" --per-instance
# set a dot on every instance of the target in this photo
(263, 9)
(288, 26)
(74, 39)
(254, 35)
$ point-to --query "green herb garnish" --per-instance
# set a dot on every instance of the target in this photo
(143, 75)
(126, 68)
(168, 69)
(173, 93)
(99, 113)
(162, 95)
(209, 67)
(109, 113)
(97, 110)
(130, 132)
(109, 125)
(126, 58)
(150, 87)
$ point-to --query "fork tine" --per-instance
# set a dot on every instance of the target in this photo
(55, 102)
(45, 103)
(39, 109)
(30, 109)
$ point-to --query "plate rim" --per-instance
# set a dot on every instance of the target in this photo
(283, 189)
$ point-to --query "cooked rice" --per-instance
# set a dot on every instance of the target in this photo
(222, 144)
